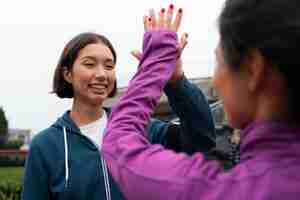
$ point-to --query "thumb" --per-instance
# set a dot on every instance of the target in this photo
(183, 41)
(137, 54)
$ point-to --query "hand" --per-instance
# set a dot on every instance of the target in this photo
(165, 22)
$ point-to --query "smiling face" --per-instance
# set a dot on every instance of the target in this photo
(93, 74)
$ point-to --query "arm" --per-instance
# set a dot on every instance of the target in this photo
(196, 132)
(196, 121)
(139, 167)
(164, 133)
(35, 184)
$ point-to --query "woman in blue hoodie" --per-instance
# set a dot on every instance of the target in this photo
(64, 162)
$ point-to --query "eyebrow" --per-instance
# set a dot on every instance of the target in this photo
(95, 59)
(109, 60)
(88, 57)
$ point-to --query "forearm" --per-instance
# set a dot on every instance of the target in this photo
(191, 106)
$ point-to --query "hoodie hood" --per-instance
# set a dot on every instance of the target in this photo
(68, 123)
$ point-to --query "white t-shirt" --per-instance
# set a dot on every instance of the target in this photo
(95, 130)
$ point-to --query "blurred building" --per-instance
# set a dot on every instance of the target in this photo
(163, 110)
(21, 135)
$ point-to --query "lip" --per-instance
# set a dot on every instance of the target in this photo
(98, 86)
(98, 89)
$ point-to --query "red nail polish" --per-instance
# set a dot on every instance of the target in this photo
(171, 6)
(149, 19)
(180, 10)
(162, 10)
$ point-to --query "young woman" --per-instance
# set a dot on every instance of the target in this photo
(256, 76)
(63, 161)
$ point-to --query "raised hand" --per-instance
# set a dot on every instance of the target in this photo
(164, 21)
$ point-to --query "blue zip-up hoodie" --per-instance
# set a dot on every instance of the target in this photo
(69, 163)
(64, 164)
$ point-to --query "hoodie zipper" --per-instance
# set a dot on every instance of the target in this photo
(103, 168)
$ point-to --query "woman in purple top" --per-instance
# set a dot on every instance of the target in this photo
(255, 75)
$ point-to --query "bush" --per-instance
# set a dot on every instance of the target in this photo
(15, 144)
(11, 183)
(12, 161)
(10, 190)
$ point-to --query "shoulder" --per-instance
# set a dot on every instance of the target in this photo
(45, 138)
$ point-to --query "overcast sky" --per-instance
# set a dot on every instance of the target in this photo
(33, 34)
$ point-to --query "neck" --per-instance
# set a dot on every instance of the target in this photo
(273, 107)
(82, 113)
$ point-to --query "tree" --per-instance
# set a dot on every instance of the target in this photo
(3, 127)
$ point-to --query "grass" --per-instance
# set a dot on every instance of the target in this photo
(14, 174)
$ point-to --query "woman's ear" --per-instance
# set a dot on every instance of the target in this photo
(256, 70)
(67, 75)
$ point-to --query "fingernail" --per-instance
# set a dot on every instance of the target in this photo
(149, 19)
(162, 10)
(171, 6)
(180, 10)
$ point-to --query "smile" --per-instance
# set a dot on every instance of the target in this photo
(98, 86)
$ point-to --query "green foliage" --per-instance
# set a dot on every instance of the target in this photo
(11, 183)
(3, 123)
(3, 127)
(15, 144)
(10, 191)
(12, 161)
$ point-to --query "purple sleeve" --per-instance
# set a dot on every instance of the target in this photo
(146, 171)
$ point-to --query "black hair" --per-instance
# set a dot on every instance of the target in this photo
(61, 87)
(271, 27)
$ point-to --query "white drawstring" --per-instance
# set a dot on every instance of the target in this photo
(66, 158)
(106, 180)
(104, 168)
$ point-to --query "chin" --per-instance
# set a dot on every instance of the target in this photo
(238, 121)
(98, 100)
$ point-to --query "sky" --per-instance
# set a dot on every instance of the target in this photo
(33, 34)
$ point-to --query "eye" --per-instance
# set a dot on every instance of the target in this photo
(109, 67)
(89, 64)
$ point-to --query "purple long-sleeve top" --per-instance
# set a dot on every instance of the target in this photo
(270, 151)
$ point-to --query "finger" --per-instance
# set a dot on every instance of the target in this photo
(137, 54)
(183, 41)
(145, 19)
(169, 16)
(177, 20)
(161, 18)
(150, 25)
(153, 17)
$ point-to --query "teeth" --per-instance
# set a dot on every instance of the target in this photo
(98, 86)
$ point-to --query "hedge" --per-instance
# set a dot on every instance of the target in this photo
(11, 183)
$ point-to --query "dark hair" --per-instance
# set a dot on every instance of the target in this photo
(270, 26)
(62, 88)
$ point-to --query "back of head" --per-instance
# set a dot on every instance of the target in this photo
(270, 26)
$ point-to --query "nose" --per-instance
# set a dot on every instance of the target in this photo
(100, 72)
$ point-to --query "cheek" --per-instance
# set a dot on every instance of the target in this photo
(231, 93)
(218, 79)
(80, 73)
(111, 77)
(81, 79)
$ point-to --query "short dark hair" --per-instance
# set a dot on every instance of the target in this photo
(271, 27)
(61, 87)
